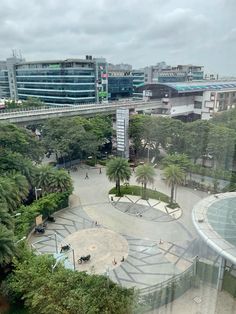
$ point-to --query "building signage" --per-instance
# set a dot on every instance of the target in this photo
(122, 134)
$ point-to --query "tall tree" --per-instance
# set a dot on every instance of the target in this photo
(221, 146)
(20, 140)
(52, 180)
(7, 246)
(174, 176)
(118, 170)
(145, 175)
(5, 218)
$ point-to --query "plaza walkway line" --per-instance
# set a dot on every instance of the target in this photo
(93, 197)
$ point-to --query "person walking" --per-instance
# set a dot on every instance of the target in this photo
(100, 170)
(86, 176)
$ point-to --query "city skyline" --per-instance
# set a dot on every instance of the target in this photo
(177, 31)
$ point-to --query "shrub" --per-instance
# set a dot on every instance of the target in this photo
(44, 206)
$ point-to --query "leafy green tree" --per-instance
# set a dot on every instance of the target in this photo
(118, 170)
(7, 246)
(174, 176)
(196, 138)
(65, 291)
(180, 160)
(145, 175)
(11, 161)
(221, 146)
(20, 140)
(137, 129)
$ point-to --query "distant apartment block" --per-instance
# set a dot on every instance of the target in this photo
(163, 73)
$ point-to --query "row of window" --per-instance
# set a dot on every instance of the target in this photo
(55, 72)
(56, 94)
(56, 80)
(59, 87)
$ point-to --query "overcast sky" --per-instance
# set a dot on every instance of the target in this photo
(139, 32)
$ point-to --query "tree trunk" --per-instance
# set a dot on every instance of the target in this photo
(118, 187)
(172, 193)
(144, 191)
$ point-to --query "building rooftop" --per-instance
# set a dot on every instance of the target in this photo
(215, 220)
(202, 86)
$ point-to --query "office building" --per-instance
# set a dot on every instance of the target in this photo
(58, 82)
(120, 83)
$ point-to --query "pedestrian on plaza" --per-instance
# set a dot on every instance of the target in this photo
(96, 223)
(86, 176)
(123, 259)
(100, 170)
(114, 262)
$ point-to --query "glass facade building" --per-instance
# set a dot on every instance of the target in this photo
(57, 82)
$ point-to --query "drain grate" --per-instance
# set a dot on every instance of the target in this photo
(197, 300)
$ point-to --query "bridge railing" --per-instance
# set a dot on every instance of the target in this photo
(81, 107)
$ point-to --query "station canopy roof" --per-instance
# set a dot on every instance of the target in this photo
(202, 86)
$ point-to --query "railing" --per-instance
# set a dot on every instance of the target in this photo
(191, 270)
(11, 113)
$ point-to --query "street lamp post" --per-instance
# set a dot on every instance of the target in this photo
(36, 192)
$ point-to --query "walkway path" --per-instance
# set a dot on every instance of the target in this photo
(157, 251)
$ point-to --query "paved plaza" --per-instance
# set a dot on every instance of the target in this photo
(154, 248)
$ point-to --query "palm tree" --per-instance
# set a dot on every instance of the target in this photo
(44, 178)
(145, 174)
(118, 170)
(7, 245)
(61, 181)
(174, 176)
(52, 180)
(5, 218)
(21, 184)
(9, 194)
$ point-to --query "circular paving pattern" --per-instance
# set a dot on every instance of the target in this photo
(102, 244)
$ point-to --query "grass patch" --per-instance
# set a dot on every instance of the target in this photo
(137, 190)
(173, 205)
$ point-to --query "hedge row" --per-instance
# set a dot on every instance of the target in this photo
(213, 173)
(137, 190)
(45, 206)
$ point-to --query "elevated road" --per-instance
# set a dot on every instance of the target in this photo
(34, 115)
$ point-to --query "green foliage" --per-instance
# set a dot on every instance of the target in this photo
(20, 140)
(145, 175)
(209, 172)
(174, 176)
(72, 138)
(65, 291)
(7, 245)
(118, 170)
(45, 206)
(91, 162)
(13, 189)
(221, 145)
(30, 102)
(137, 190)
(52, 180)
(180, 160)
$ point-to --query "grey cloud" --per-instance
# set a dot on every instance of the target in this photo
(140, 33)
